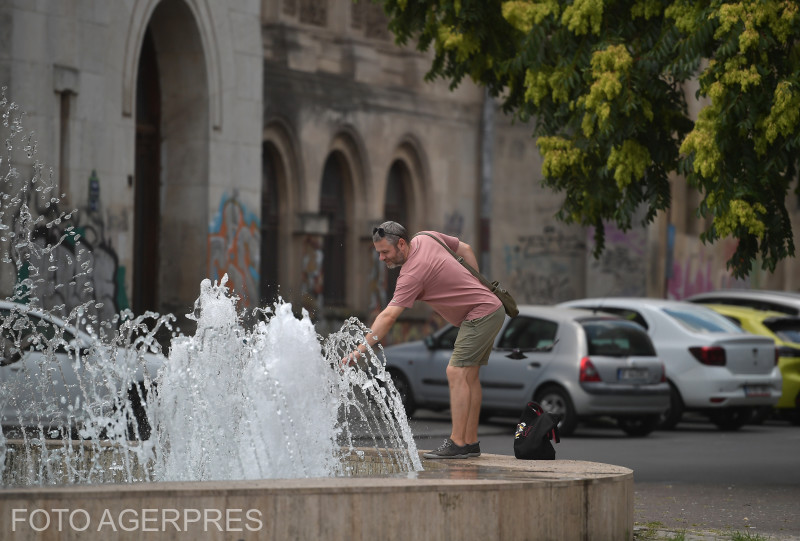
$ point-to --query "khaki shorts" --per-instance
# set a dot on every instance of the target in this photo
(476, 338)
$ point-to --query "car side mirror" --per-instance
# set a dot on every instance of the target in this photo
(516, 354)
(430, 342)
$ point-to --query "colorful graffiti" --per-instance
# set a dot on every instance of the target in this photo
(311, 286)
(377, 282)
(70, 261)
(698, 267)
(234, 245)
(541, 268)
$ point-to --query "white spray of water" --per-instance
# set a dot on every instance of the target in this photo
(235, 404)
(270, 402)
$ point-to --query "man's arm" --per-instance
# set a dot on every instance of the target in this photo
(465, 251)
(380, 327)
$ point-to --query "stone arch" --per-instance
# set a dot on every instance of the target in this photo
(212, 47)
(410, 153)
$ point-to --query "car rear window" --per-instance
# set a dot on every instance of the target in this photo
(787, 329)
(616, 338)
(702, 321)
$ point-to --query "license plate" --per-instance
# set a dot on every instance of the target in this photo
(756, 390)
(632, 374)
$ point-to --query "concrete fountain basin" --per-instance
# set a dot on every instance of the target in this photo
(485, 498)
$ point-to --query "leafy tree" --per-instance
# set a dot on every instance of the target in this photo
(604, 82)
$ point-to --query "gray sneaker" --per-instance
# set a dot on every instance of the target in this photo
(448, 450)
(473, 449)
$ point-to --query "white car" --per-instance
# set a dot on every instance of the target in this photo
(713, 366)
(57, 380)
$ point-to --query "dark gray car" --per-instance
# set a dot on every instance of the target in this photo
(572, 362)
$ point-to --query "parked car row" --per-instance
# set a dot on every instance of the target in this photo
(713, 366)
(641, 361)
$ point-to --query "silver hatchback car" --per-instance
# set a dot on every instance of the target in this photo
(572, 362)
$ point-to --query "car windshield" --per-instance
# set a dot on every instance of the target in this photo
(787, 329)
(702, 321)
(614, 338)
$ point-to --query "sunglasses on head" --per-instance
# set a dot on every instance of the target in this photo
(382, 232)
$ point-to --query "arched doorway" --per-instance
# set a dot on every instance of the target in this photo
(147, 215)
(172, 168)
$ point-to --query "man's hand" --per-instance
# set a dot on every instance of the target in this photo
(350, 359)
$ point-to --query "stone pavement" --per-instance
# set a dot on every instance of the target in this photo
(716, 513)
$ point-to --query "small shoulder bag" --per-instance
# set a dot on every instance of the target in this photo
(509, 304)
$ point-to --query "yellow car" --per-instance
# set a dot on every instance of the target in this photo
(785, 330)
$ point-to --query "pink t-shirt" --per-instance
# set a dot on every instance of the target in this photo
(433, 275)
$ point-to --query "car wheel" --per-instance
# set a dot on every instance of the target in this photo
(760, 414)
(555, 399)
(670, 418)
(639, 426)
(730, 418)
(404, 389)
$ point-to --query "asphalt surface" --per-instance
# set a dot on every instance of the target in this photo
(717, 511)
(695, 483)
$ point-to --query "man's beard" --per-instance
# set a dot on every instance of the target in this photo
(396, 262)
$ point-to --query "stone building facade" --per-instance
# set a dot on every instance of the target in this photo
(263, 139)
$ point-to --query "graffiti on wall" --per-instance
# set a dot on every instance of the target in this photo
(698, 267)
(311, 286)
(541, 268)
(377, 282)
(234, 245)
(454, 224)
(621, 269)
(70, 260)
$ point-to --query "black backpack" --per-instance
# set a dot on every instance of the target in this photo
(534, 433)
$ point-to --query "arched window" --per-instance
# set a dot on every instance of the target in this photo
(395, 208)
(333, 205)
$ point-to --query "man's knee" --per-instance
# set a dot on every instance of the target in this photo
(466, 374)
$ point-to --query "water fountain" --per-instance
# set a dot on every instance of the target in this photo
(239, 428)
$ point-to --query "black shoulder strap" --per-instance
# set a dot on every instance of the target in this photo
(460, 259)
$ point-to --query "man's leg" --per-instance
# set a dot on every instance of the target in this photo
(465, 400)
(475, 398)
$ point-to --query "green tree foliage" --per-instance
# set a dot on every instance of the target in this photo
(604, 82)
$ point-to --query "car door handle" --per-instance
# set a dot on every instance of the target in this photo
(535, 365)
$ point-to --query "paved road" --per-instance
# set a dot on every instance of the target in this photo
(695, 478)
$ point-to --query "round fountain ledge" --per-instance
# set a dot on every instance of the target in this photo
(489, 497)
